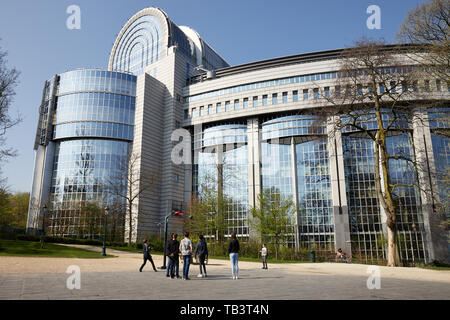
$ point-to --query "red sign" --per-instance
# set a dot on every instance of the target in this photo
(177, 213)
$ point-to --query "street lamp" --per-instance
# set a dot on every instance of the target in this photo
(104, 232)
(166, 222)
(44, 208)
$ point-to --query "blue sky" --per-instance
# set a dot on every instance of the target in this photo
(35, 35)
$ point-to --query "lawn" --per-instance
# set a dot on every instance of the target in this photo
(33, 249)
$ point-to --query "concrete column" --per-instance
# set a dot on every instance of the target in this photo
(435, 237)
(338, 189)
(254, 168)
(295, 185)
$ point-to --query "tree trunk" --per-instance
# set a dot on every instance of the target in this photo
(385, 196)
(393, 251)
(130, 223)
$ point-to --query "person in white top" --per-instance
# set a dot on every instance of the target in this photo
(264, 256)
(186, 252)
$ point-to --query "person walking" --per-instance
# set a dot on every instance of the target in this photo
(186, 252)
(264, 256)
(147, 256)
(202, 251)
(233, 251)
(172, 250)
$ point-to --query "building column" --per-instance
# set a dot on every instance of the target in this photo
(295, 185)
(338, 189)
(254, 168)
(435, 238)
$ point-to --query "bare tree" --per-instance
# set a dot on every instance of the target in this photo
(128, 183)
(8, 82)
(427, 26)
(372, 92)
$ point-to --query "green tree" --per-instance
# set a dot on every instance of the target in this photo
(273, 216)
(19, 209)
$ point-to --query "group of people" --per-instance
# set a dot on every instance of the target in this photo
(185, 247)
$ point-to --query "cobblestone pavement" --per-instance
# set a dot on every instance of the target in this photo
(118, 278)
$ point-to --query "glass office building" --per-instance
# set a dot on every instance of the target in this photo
(87, 124)
(249, 128)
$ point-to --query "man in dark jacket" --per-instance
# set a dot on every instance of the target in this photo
(202, 251)
(173, 265)
(147, 256)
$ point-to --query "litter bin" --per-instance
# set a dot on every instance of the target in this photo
(312, 256)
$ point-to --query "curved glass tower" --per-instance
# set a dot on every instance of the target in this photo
(87, 143)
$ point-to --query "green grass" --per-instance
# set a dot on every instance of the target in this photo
(19, 248)
(435, 268)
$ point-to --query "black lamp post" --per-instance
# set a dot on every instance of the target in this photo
(166, 223)
(104, 232)
(44, 208)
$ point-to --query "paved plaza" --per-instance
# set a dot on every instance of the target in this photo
(24, 278)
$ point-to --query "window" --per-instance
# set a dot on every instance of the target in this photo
(194, 112)
(227, 106)
(202, 111)
(186, 114)
(359, 90)
(285, 97)
(246, 103)
(264, 101)
(427, 85)
(305, 95)
(438, 85)
(236, 104)
(393, 87)
(255, 102)
(275, 98)
(382, 88)
(327, 92)
(316, 93)
(210, 109)
(337, 91)
(295, 96)
(219, 107)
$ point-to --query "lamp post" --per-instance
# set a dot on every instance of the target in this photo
(44, 208)
(104, 232)
(166, 223)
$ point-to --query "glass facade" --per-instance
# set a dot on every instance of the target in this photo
(366, 229)
(314, 195)
(295, 159)
(82, 170)
(229, 173)
(264, 84)
(139, 46)
(92, 131)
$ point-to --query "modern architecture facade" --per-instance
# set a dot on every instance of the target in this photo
(250, 128)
